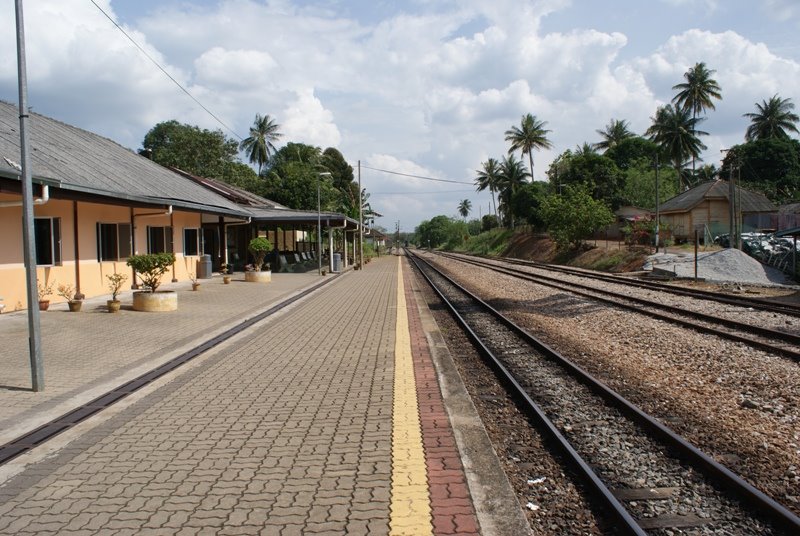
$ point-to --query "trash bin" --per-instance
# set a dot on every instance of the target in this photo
(204, 267)
(337, 262)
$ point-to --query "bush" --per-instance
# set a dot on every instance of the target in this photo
(151, 267)
(259, 247)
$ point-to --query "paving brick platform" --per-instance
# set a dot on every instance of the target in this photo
(288, 428)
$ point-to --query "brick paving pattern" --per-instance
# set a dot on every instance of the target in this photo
(451, 505)
(287, 431)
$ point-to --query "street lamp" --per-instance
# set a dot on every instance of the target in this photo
(319, 224)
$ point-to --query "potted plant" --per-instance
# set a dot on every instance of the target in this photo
(226, 276)
(195, 282)
(115, 282)
(67, 291)
(150, 268)
(44, 290)
(259, 247)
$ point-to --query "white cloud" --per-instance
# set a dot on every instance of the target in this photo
(429, 90)
(306, 120)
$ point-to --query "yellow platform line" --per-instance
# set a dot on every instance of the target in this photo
(410, 504)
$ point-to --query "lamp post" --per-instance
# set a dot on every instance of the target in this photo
(319, 224)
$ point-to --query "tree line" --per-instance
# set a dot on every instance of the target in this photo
(289, 175)
(593, 179)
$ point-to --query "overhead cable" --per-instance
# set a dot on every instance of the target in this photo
(143, 51)
(416, 176)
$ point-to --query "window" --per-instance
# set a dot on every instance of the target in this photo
(113, 241)
(191, 241)
(47, 237)
(159, 239)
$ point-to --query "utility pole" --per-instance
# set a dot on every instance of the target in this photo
(360, 221)
(29, 248)
(658, 216)
(732, 206)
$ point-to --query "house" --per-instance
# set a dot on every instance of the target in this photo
(788, 217)
(292, 232)
(97, 203)
(706, 209)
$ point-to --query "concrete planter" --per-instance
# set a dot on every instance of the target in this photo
(161, 301)
(113, 306)
(74, 306)
(258, 277)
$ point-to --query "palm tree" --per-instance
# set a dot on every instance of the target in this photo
(530, 135)
(675, 132)
(512, 175)
(259, 145)
(464, 208)
(613, 134)
(585, 150)
(696, 93)
(773, 119)
(489, 177)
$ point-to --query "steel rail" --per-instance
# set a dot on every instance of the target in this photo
(627, 524)
(47, 431)
(792, 353)
(756, 303)
(707, 465)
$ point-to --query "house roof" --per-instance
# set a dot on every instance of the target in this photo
(791, 208)
(73, 159)
(261, 208)
(719, 189)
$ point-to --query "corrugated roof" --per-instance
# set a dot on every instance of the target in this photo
(719, 189)
(78, 160)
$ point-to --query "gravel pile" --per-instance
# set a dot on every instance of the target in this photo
(727, 265)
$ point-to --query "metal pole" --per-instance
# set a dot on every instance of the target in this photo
(696, 239)
(732, 211)
(658, 216)
(319, 232)
(29, 251)
(360, 221)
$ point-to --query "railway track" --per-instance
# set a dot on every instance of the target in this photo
(739, 301)
(642, 474)
(768, 339)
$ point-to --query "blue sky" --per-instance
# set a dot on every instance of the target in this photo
(424, 87)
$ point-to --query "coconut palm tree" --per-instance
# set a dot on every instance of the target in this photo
(489, 177)
(585, 150)
(615, 131)
(530, 135)
(512, 176)
(697, 93)
(773, 119)
(464, 207)
(675, 132)
(259, 145)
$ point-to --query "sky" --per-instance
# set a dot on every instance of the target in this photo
(417, 87)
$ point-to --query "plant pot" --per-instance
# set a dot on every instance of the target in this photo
(258, 277)
(152, 302)
(195, 286)
(75, 306)
(113, 305)
(226, 279)
(44, 305)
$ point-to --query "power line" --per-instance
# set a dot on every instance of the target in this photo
(415, 176)
(422, 193)
(143, 51)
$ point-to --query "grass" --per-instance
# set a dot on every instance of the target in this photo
(492, 242)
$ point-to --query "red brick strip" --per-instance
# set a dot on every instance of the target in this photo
(451, 505)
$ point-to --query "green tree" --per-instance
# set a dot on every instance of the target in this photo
(768, 165)
(526, 203)
(773, 118)
(639, 184)
(512, 176)
(202, 152)
(259, 144)
(697, 93)
(630, 151)
(675, 131)
(464, 208)
(574, 216)
(435, 232)
(530, 135)
(613, 134)
(489, 177)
